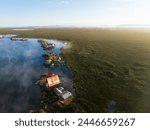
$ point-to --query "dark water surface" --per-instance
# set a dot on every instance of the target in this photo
(21, 64)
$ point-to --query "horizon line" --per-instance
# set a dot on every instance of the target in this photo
(79, 26)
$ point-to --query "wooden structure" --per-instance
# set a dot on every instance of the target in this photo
(53, 81)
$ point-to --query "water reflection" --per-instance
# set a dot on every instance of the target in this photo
(21, 64)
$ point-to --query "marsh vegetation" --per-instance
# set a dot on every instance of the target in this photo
(110, 67)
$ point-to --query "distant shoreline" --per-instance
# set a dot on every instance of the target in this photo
(22, 29)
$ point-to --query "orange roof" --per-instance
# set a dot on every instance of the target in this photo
(52, 81)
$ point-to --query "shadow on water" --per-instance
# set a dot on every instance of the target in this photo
(20, 67)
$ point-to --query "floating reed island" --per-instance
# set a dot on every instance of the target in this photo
(18, 39)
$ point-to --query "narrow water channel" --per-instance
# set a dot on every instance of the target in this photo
(21, 65)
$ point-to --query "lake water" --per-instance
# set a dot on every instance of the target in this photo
(21, 65)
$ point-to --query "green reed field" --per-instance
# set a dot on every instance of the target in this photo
(108, 66)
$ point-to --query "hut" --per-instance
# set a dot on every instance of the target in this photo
(65, 97)
(53, 81)
(13, 38)
(52, 59)
(43, 41)
(23, 39)
(48, 46)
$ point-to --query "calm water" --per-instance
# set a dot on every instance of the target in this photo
(21, 64)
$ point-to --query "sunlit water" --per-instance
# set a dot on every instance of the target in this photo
(21, 64)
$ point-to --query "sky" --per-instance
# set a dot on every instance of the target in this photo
(89, 13)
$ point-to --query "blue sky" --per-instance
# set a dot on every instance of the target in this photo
(73, 12)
